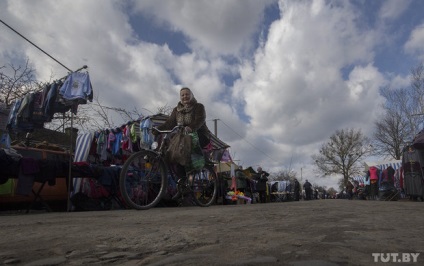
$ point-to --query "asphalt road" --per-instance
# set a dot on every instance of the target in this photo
(318, 232)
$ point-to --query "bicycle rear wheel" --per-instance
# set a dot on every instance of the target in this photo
(204, 186)
(143, 180)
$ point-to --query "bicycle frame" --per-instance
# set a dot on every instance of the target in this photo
(161, 149)
(144, 178)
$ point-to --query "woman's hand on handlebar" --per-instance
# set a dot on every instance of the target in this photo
(155, 131)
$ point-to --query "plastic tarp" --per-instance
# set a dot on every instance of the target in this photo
(396, 164)
(360, 180)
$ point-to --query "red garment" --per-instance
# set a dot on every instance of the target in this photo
(373, 173)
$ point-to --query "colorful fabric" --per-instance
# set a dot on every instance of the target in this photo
(146, 138)
(373, 171)
(135, 131)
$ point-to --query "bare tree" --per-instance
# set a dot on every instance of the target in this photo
(96, 116)
(391, 135)
(403, 117)
(166, 109)
(16, 82)
(342, 154)
(417, 95)
(417, 87)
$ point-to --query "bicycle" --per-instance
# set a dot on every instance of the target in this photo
(144, 178)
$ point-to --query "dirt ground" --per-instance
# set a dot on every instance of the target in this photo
(318, 232)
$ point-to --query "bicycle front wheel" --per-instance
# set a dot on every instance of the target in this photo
(143, 180)
(204, 186)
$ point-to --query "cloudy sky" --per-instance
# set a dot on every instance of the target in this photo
(280, 76)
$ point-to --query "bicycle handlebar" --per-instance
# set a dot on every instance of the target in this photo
(167, 131)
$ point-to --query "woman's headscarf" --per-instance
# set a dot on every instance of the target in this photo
(184, 112)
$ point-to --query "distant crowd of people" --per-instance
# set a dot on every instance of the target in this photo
(256, 187)
(256, 184)
(377, 185)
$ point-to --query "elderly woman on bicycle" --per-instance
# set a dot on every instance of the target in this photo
(190, 114)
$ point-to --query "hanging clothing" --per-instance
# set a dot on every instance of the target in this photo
(12, 119)
(126, 139)
(82, 148)
(135, 131)
(77, 86)
(110, 141)
(102, 146)
(52, 103)
(146, 133)
(373, 173)
(38, 118)
(30, 114)
(116, 149)
(25, 110)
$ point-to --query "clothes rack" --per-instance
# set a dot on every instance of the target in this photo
(69, 185)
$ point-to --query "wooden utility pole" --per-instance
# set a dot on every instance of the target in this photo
(215, 121)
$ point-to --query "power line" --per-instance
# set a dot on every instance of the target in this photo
(35, 46)
(247, 141)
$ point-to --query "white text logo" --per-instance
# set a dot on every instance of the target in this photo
(395, 257)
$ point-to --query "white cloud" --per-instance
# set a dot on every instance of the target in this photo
(414, 45)
(295, 92)
(298, 71)
(223, 27)
(398, 82)
(392, 9)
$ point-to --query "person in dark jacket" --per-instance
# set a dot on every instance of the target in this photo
(349, 189)
(296, 190)
(261, 179)
(190, 114)
(389, 175)
(308, 189)
(241, 179)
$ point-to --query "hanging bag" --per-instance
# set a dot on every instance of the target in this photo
(179, 149)
(197, 159)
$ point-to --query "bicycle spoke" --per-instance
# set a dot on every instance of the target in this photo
(142, 180)
(204, 187)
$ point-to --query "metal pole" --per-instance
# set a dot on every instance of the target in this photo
(216, 127)
(70, 164)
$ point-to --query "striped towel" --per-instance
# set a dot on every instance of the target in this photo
(83, 147)
(82, 150)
